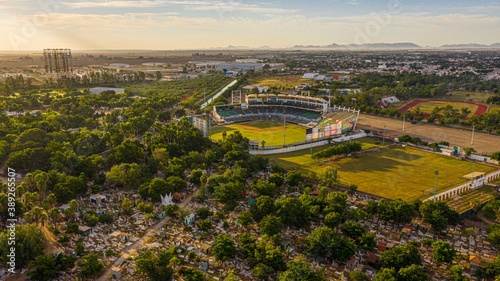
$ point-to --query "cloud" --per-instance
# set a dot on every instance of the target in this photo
(237, 6)
(131, 4)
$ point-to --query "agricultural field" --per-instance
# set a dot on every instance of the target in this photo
(282, 83)
(269, 131)
(467, 96)
(391, 172)
(426, 106)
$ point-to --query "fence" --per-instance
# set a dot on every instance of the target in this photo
(305, 145)
(466, 186)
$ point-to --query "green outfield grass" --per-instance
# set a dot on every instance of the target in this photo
(392, 173)
(428, 106)
(270, 131)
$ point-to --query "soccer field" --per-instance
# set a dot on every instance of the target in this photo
(269, 131)
(393, 173)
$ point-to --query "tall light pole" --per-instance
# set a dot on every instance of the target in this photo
(473, 177)
(472, 137)
(404, 117)
(436, 173)
(284, 131)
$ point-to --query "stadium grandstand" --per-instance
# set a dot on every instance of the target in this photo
(295, 109)
(321, 120)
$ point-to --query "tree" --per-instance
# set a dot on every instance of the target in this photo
(29, 244)
(328, 177)
(231, 276)
(357, 275)
(386, 274)
(300, 270)
(367, 241)
(263, 206)
(291, 211)
(443, 252)
(224, 248)
(332, 219)
(204, 225)
(468, 151)
(154, 189)
(494, 234)
(47, 267)
(265, 188)
(91, 265)
(193, 275)
(245, 218)
(156, 267)
(412, 273)
(277, 179)
(293, 178)
(127, 206)
(456, 273)
(352, 229)
(400, 256)
(203, 213)
(270, 225)
(228, 194)
(438, 214)
(124, 175)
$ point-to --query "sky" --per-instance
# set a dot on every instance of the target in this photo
(203, 24)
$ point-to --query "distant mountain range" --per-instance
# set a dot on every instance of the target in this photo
(470, 46)
(376, 46)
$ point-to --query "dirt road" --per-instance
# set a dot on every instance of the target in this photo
(107, 274)
(482, 143)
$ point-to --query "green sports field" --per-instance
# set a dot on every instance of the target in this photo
(269, 131)
(394, 172)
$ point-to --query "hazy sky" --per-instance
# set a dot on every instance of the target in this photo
(194, 24)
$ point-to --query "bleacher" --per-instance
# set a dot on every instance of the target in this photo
(277, 112)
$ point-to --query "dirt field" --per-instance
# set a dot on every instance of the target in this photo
(483, 143)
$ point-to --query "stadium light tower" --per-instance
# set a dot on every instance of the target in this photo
(436, 173)
(284, 131)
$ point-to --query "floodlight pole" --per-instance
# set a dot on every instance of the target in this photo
(284, 131)
(404, 117)
(435, 185)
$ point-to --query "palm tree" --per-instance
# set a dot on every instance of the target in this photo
(55, 215)
(263, 143)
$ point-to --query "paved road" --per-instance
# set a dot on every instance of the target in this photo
(106, 275)
(483, 143)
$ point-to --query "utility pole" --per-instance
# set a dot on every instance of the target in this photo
(435, 185)
(473, 178)
(472, 137)
(404, 117)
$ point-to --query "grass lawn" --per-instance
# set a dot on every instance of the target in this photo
(282, 83)
(467, 96)
(392, 173)
(428, 106)
(270, 131)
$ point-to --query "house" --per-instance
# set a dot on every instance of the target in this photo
(309, 75)
(389, 100)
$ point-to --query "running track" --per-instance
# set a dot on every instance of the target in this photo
(481, 108)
